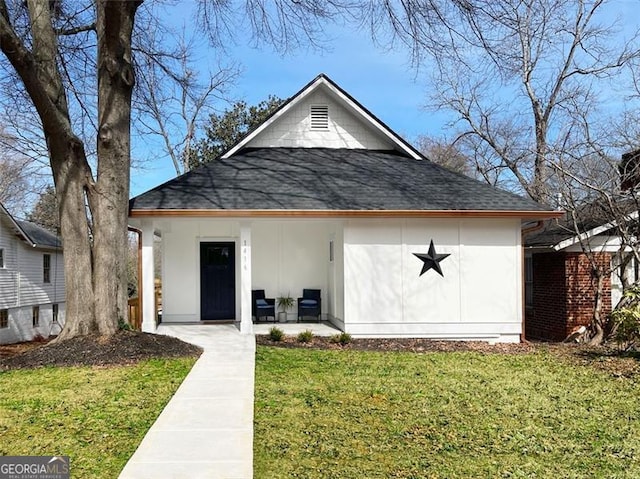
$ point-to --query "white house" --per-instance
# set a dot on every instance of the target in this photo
(323, 195)
(32, 290)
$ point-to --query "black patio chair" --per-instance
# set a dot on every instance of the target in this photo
(310, 304)
(262, 307)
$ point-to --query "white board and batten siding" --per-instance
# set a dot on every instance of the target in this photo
(479, 297)
(22, 288)
(372, 286)
(286, 257)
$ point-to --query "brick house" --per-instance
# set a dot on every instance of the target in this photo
(560, 284)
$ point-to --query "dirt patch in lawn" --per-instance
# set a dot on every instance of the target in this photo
(605, 358)
(125, 347)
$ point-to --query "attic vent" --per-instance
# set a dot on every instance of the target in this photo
(319, 117)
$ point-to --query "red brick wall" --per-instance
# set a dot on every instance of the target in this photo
(549, 298)
(563, 294)
(581, 289)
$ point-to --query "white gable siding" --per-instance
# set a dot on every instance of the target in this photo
(8, 242)
(345, 130)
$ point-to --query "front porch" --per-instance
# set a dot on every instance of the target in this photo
(209, 267)
(195, 332)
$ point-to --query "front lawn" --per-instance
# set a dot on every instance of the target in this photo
(97, 416)
(352, 414)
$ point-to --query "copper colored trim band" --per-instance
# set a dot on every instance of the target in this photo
(342, 213)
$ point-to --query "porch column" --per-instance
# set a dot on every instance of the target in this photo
(246, 324)
(148, 291)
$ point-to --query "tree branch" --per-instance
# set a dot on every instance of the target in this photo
(74, 31)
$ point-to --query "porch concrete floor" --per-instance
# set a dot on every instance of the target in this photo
(323, 328)
(206, 429)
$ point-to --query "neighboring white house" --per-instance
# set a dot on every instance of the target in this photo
(323, 195)
(32, 291)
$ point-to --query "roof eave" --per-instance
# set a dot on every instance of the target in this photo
(293, 213)
(573, 240)
(17, 227)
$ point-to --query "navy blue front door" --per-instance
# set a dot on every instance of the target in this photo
(217, 281)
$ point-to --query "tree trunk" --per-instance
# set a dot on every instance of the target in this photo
(72, 177)
(93, 214)
(597, 323)
(110, 197)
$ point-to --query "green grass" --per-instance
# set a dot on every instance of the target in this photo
(97, 416)
(347, 414)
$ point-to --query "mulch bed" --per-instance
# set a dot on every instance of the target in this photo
(399, 344)
(125, 347)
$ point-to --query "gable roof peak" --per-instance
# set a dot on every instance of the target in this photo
(342, 97)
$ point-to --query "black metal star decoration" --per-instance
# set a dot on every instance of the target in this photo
(431, 260)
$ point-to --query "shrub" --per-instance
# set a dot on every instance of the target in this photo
(123, 325)
(276, 334)
(626, 320)
(305, 336)
(342, 338)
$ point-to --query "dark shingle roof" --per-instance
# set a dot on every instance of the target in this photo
(553, 232)
(40, 236)
(588, 217)
(327, 179)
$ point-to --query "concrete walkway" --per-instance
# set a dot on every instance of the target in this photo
(206, 429)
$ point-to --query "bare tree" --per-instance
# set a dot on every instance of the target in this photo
(173, 113)
(74, 62)
(21, 178)
(93, 215)
(595, 201)
(14, 183)
(517, 74)
(445, 153)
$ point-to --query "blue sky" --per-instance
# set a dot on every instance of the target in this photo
(382, 81)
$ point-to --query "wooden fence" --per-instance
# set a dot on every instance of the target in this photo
(135, 313)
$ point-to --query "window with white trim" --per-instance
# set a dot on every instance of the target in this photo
(319, 117)
(46, 268)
